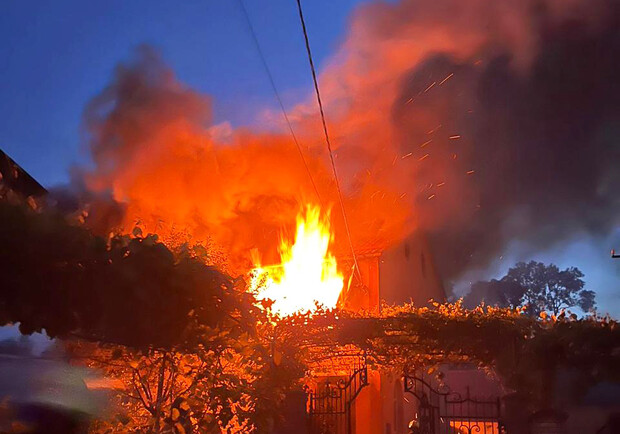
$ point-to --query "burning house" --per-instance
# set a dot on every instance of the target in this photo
(436, 127)
(347, 396)
(253, 197)
(405, 272)
(344, 395)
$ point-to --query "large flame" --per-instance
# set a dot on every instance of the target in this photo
(308, 273)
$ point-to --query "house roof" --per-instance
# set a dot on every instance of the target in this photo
(17, 179)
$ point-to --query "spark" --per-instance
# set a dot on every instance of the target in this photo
(410, 100)
(423, 157)
(431, 196)
(408, 155)
(469, 172)
(455, 137)
(394, 162)
(446, 79)
(434, 129)
(454, 156)
(441, 184)
(430, 87)
(426, 143)
(402, 195)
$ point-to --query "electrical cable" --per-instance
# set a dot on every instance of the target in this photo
(277, 95)
(329, 146)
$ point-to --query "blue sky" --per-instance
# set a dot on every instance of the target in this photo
(590, 255)
(56, 55)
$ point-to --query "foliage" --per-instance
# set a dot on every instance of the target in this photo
(164, 324)
(175, 331)
(525, 351)
(131, 291)
(227, 377)
(538, 286)
(220, 391)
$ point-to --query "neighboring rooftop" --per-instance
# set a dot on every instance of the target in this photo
(17, 179)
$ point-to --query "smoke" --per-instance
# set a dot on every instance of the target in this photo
(157, 153)
(525, 141)
(478, 122)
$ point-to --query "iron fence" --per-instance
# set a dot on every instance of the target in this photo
(441, 411)
(329, 405)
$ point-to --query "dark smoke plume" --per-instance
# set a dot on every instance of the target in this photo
(542, 141)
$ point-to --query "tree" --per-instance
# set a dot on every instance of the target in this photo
(547, 288)
(538, 286)
(227, 380)
(587, 300)
(166, 325)
(211, 389)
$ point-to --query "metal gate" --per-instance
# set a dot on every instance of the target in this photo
(329, 405)
(446, 412)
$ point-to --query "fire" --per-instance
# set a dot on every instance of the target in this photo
(308, 273)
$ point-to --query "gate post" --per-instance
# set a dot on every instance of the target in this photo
(368, 407)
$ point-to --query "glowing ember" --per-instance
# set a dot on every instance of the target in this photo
(308, 273)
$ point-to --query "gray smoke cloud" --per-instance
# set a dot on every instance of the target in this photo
(527, 152)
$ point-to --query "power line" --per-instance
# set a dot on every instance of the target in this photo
(277, 95)
(329, 146)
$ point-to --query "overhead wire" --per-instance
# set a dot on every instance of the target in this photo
(277, 96)
(325, 131)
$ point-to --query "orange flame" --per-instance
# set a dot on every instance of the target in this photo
(308, 273)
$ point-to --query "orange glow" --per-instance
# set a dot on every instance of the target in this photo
(465, 426)
(307, 274)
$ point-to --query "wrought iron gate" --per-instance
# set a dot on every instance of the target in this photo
(329, 406)
(446, 412)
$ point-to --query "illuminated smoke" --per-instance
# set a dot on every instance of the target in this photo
(154, 151)
(479, 122)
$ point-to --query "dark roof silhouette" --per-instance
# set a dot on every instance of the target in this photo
(17, 179)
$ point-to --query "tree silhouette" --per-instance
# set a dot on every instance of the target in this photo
(538, 286)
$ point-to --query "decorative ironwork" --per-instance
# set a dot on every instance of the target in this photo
(441, 411)
(329, 405)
